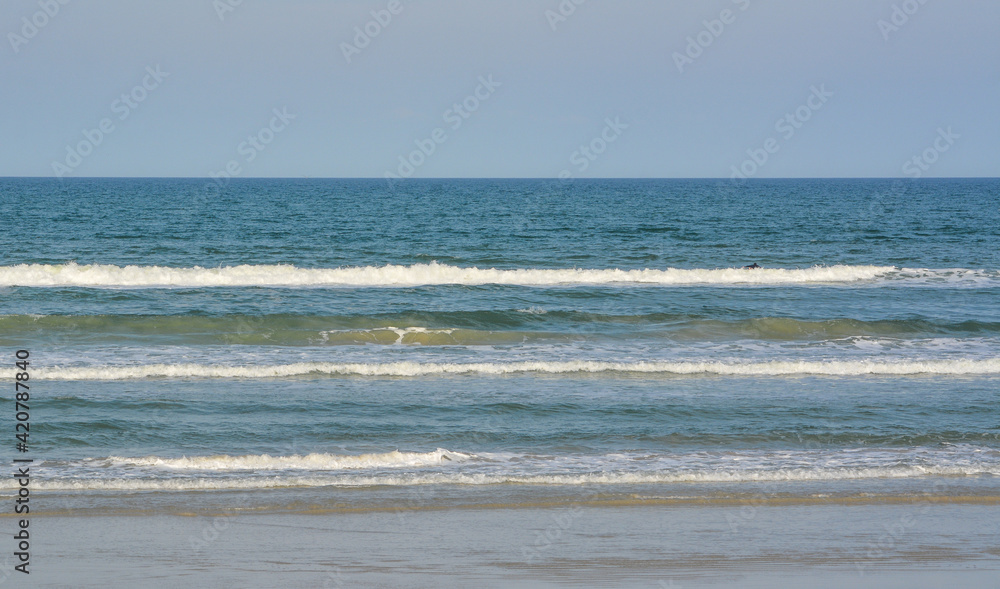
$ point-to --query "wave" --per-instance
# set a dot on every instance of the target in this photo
(425, 336)
(448, 467)
(110, 276)
(581, 367)
(469, 328)
(804, 474)
(395, 459)
(271, 330)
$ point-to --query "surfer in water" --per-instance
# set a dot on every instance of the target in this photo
(753, 266)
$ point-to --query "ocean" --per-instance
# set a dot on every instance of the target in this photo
(305, 346)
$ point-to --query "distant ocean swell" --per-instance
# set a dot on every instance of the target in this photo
(109, 276)
(580, 367)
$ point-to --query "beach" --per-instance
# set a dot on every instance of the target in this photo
(505, 382)
(823, 544)
(543, 294)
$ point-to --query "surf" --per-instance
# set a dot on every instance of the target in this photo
(110, 276)
(865, 367)
(252, 481)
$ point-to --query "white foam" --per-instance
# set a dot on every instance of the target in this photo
(314, 461)
(949, 276)
(411, 369)
(401, 333)
(481, 479)
(103, 275)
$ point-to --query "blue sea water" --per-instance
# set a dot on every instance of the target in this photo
(351, 343)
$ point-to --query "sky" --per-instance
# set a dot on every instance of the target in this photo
(500, 88)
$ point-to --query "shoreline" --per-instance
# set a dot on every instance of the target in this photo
(838, 545)
(707, 502)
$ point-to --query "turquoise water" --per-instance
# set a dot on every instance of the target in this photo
(347, 342)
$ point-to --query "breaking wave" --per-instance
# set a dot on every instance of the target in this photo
(411, 369)
(458, 478)
(110, 276)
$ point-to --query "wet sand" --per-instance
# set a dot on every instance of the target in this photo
(655, 546)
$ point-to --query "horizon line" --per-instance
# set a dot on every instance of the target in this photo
(554, 179)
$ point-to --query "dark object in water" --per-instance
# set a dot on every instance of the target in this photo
(753, 266)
